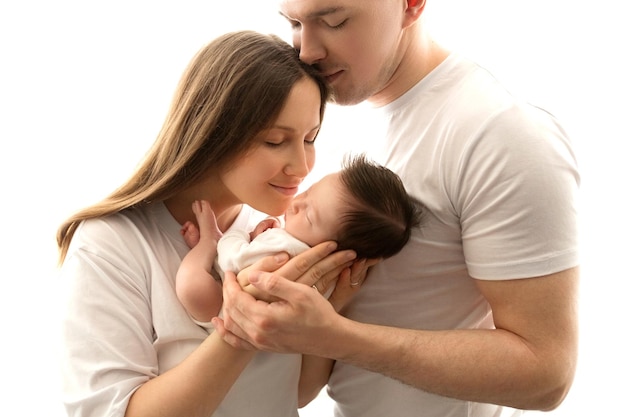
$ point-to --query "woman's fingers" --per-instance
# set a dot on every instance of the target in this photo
(343, 291)
(229, 337)
(237, 309)
(349, 283)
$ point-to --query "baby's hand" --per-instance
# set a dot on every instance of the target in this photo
(207, 228)
(269, 223)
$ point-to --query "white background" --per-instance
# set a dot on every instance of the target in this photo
(84, 87)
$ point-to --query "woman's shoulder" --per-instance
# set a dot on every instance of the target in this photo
(129, 233)
(118, 226)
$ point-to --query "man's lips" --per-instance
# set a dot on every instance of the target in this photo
(332, 76)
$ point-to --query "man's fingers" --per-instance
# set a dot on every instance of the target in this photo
(267, 263)
(277, 286)
(301, 263)
(316, 263)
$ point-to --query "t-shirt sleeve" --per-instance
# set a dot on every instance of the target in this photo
(518, 208)
(107, 332)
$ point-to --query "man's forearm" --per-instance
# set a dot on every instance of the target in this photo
(489, 366)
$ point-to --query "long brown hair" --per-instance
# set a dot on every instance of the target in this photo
(233, 88)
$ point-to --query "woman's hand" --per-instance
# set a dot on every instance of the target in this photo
(349, 283)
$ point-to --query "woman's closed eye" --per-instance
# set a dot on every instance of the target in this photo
(273, 144)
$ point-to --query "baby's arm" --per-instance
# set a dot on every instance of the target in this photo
(196, 288)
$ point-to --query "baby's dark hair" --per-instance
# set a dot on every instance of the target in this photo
(380, 212)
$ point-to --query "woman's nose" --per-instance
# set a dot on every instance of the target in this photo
(300, 163)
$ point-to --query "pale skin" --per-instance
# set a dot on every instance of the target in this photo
(196, 288)
(528, 361)
(312, 217)
(267, 178)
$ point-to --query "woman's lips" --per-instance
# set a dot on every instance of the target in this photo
(289, 191)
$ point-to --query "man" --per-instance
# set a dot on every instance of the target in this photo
(478, 312)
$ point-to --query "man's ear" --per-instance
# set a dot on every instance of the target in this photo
(414, 9)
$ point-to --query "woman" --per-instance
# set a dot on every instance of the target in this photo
(240, 131)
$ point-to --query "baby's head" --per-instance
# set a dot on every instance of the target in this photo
(363, 207)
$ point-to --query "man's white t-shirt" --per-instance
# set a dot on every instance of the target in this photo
(499, 179)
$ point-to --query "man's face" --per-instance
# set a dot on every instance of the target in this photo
(355, 43)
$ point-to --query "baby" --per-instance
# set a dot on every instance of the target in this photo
(363, 207)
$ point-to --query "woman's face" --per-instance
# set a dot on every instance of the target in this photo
(267, 177)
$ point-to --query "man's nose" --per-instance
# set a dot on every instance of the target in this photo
(309, 45)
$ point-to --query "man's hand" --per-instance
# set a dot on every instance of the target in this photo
(317, 266)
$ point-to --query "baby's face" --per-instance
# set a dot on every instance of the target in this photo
(314, 216)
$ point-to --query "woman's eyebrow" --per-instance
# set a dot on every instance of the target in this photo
(291, 129)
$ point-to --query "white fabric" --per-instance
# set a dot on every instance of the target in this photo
(500, 180)
(235, 251)
(123, 323)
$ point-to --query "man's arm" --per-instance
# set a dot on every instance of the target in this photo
(527, 362)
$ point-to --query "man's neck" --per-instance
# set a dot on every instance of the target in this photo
(421, 55)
